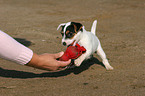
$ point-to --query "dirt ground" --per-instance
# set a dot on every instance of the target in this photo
(121, 30)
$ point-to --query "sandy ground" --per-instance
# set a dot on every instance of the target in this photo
(121, 30)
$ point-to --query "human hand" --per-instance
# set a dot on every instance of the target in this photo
(48, 61)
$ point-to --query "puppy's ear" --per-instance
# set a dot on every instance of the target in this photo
(77, 26)
(60, 25)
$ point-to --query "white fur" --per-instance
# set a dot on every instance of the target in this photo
(93, 29)
(90, 41)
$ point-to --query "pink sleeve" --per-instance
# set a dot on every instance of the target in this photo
(12, 50)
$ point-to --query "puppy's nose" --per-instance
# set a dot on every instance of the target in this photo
(64, 43)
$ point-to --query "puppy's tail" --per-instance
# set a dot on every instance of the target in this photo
(93, 29)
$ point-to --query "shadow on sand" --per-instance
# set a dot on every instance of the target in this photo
(23, 41)
(24, 75)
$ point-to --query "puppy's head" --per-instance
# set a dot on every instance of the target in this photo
(70, 32)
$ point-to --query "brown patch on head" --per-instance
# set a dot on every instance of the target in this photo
(72, 30)
(62, 31)
(81, 28)
(67, 32)
(70, 34)
(75, 27)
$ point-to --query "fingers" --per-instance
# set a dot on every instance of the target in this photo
(64, 63)
(58, 66)
(57, 55)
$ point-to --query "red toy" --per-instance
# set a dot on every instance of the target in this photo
(72, 52)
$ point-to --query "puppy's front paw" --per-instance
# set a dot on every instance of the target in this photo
(77, 62)
(108, 67)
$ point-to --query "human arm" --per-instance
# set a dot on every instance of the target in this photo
(12, 50)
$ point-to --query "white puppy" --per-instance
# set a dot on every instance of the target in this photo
(73, 33)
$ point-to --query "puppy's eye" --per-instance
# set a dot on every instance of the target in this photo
(70, 34)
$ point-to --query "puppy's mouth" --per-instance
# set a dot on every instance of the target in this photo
(73, 43)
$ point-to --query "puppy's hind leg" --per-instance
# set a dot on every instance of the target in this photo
(102, 54)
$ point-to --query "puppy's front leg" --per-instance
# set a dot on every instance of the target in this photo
(79, 60)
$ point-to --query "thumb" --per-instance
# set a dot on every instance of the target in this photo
(57, 55)
(64, 63)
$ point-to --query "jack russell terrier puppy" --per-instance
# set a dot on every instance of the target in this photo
(73, 33)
